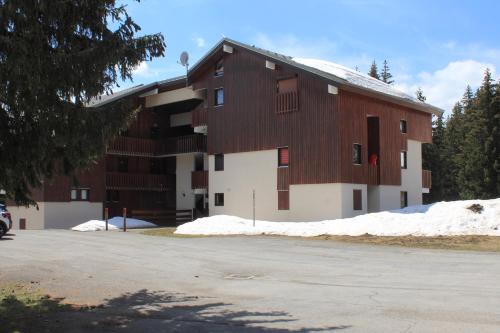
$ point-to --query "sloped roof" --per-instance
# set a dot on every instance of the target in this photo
(336, 73)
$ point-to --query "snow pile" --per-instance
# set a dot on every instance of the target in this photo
(114, 223)
(354, 77)
(443, 218)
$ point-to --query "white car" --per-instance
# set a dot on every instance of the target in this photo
(5, 220)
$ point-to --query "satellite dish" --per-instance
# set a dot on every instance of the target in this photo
(184, 59)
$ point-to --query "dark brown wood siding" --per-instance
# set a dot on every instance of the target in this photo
(319, 134)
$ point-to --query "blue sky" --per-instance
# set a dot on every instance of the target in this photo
(440, 46)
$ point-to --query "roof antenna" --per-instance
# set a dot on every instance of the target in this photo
(184, 61)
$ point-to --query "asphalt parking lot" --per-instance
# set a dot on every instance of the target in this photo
(257, 284)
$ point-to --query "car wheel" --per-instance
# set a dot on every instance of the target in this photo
(3, 230)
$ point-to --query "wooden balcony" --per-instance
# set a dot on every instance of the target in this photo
(199, 179)
(128, 146)
(373, 175)
(426, 179)
(140, 182)
(196, 143)
(199, 117)
(287, 102)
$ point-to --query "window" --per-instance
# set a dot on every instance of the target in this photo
(283, 157)
(402, 126)
(356, 153)
(219, 162)
(84, 194)
(112, 196)
(404, 199)
(404, 162)
(155, 132)
(219, 96)
(74, 194)
(122, 164)
(219, 68)
(219, 199)
(357, 201)
(287, 85)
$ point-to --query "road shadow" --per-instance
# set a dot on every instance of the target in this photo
(146, 312)
(6, 238)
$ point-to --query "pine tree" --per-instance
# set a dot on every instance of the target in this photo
(54, 58)
(374, 71)
(495, 121)
(451, 152)
(474, 176)
(420, 95)
(386, 75)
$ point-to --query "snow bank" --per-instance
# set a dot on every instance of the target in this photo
(113, 224)
(443, 218)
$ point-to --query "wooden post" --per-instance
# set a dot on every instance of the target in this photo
(106, 215)
(253, 195)
(124, 219)
(192, 214)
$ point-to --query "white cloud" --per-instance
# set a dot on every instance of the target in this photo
(200, 42)
(144, 70)
(445, 87)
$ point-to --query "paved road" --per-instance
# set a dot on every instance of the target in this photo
(254, 284)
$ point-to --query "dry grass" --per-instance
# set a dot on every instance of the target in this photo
(469, 243)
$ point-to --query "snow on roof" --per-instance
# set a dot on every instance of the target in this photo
(354, 77)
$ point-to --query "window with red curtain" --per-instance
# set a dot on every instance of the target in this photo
(283, 157)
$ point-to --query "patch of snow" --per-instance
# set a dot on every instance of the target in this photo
(354, 77)
(114, 223)
(442, 218)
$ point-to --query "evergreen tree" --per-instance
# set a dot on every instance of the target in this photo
(451, 153)
(474, 176)
(495, 134)
(55, 56)
(374, 71)
(420, 95)
(386, 75)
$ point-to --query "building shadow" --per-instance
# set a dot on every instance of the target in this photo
(144, 311)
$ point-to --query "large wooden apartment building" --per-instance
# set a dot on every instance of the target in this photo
(313, 139)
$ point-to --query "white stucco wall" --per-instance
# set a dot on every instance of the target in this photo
(56, 215)
(244, 172)
(34, 217)
(385, 197)
(65, 215)
(184, 192)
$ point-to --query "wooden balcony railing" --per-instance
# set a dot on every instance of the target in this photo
(128, 146)
(199, 117)
(287, 102)
(426, 179)
(130, 181)
(199, 179)
(183, 144)
(124, 145)
(373, 175)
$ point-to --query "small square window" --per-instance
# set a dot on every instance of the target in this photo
(402, 126)
(283, 157)
(123, 164)
(356, 153)
(357, 201)
(74, 194)
(84, 194)
(219, 199)
(219, 68)
(404, 199)
(219, 96)
(404, 161)
(112, 196)
(219, 162)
